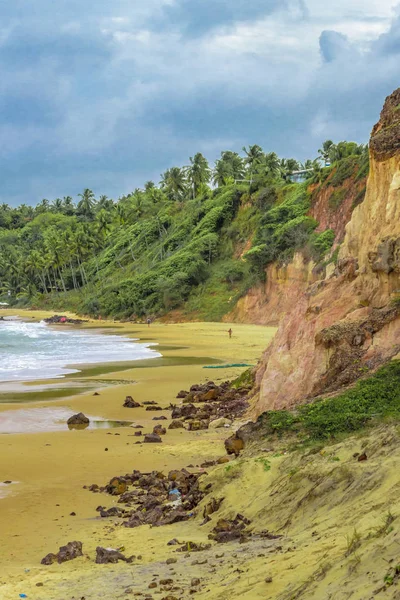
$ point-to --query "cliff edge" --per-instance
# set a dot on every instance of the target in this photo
(346, 324)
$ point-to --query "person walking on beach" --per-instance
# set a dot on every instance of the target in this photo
(148, 322)
(230, 332)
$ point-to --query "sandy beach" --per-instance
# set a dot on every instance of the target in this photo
(50, 468)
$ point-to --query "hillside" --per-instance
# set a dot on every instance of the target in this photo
(182, 246)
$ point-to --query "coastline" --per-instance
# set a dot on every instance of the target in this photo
(52, 467)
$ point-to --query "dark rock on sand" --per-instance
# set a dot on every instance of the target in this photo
(183, 411)
(131, 403)
(175, 424)
(78, 419)
(152, 438)
(159, 430)
(227, 530)
(234, 445)
(69, 552)
(117, 486)
(109, 555)
(63, 319)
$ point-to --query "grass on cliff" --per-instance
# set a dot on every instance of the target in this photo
(372, 399)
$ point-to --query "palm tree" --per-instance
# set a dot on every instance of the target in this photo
(43, 206)
(254, 155)
(149, 185)
(173, 181)
(198, 172)
(68, 206)
(57, 205)
(229, 166)
(326, 151)
(103, 222)
(105, 203)
(87, 202)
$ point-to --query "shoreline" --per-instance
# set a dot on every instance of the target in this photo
(72, 368)
(53, 467)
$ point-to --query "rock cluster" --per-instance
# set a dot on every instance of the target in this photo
(227, 530)
(64, 319)
(219, 405)
(145, 497)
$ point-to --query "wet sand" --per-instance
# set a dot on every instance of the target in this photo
(51, 467)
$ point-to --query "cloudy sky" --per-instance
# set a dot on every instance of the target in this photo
(106, 94)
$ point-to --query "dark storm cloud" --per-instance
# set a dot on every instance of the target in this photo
(109, 94)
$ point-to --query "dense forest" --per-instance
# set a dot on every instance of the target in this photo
(196, 241)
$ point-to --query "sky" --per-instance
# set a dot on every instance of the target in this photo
(108, 95)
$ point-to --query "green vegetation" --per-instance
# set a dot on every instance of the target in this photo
(245, 379)
(353, 543)
(266, 465)
(337, 198)
(386, 527)
(371, 399)
(177, 245)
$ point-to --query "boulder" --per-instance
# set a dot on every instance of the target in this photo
(234, 445)
(175, 424)
(69, 552)
(78, 419)
(182, 394)
(117, 486)
(131, 403)
(222, 422)
(159, 430)
(152, 438)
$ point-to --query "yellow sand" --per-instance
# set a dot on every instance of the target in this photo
(335, 514)
(52, 468)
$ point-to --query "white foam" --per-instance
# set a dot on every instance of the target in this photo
(31, 351)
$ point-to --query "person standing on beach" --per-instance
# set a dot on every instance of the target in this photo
(148, 322)
(230, 332)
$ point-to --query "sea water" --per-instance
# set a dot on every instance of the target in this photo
(32, 351)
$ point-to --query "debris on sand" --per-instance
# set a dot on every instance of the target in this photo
(69, 552)
(106, 556)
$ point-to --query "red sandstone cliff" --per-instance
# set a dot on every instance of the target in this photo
(338, 327)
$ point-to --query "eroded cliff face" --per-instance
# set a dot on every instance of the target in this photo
(339, 327)
(268, 303)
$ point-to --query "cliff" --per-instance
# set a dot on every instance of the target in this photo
(332, 205)
(346, 322)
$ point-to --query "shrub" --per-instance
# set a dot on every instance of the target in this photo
(344, 169)
(337, 198)
(321, 243)
(374, 398)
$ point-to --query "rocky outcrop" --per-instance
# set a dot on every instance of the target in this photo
(69, 552)
(347, 322)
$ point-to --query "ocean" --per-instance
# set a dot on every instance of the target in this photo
(33, 351)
